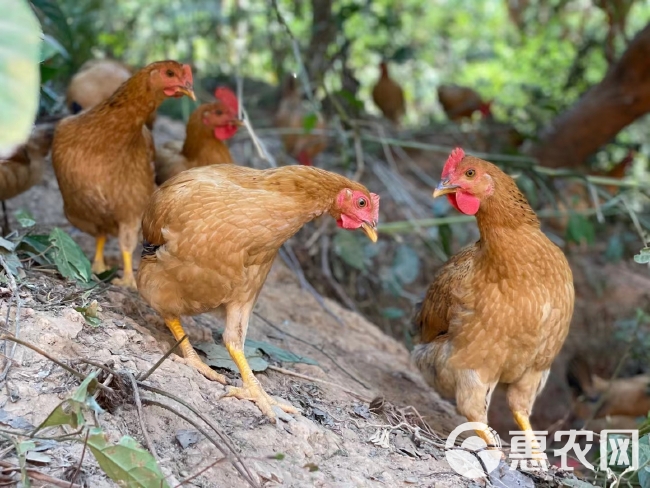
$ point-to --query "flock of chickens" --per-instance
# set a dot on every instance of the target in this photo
(212, 230)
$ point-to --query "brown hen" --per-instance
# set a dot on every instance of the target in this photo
(499, 310)
(103, 159)
(207, 128)
(460, 102)
(95, 81)
(389, 96)
(292, 114)
(211, 235)
(24, 168)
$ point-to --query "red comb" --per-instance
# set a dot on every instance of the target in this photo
(228, 98)
(453, 160)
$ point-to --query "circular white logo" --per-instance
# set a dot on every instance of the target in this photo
(466, 463)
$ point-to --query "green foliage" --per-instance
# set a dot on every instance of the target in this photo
(90, 313)
(309, 122)
(24, 218)
(126, 462)
(70, 260)
(218, 356)
(643, 257)
(19, 77)
(580, 229)
(278, 354)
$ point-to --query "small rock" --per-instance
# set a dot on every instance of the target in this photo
(187, 438)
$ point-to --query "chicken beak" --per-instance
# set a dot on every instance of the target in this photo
(443, 188)
(238, 122)
(370, 230)
(187, 90)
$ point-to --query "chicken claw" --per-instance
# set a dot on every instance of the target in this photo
(204, 369)
(253, 392)
(126, 282)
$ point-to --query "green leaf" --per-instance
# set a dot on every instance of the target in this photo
(277, 353)
(63, 414)
(19, 74)
(50, 47)
(126, 463)
(580, 229)
(24, 218)
(7, 245)
(81, 393)
(38, 248)
(70, 260)
(392, 313)
(309, 122)
(643, 257)
(406, 264)
(217, 356)
(13, 263)
(25, 446)
(446, 235)
(350, 249)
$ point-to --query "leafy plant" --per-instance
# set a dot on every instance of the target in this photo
(19, 76)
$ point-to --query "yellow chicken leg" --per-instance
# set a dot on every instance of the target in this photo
(524, 424)
(252, 390)
(191, 358)
(128, 279)
(99, 266)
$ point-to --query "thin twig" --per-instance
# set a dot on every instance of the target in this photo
(160, 361)
(318, 380)
(243, 472)
(143, 426)
(319, 349)
(37, 475)
(70, 370)
(81, 460)
(242, 468)
(196, 475)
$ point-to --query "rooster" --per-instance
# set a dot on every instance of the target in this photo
(292, 114)
(389, 96)
(103, 158)
(207, 128)
(95, 81)
(499, 310)
(461, 102)
(211, 235)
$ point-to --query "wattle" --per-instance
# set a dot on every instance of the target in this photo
(464, 202)
(225, 132)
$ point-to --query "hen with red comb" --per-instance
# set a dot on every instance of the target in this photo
(208, 127)
(499, 310)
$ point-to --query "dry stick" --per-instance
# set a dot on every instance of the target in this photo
(318, 380)
(16, 297)
(211, 424)
(319, 349)
(81, 460)
(143, 426)
(327, 272)
(37, 475)
(243, 472)
(160, 361)
(196, 475)
(70, 370)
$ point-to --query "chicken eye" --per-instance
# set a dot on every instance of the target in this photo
(470, 173)
(169, 73)
(362, 202)
(219, 112)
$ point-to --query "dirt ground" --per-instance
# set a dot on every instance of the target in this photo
(332, 434)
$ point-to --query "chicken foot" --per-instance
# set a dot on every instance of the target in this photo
(191, 358)
(521, 397)
(99, 266)
(128, 236)
(252, 390)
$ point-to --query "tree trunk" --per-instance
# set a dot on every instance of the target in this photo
(323, 33)
(618, 100)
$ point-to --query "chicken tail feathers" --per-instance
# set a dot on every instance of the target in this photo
(149, 249)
